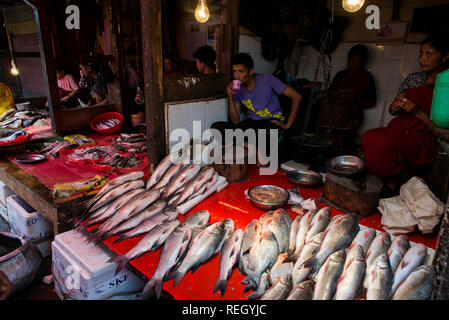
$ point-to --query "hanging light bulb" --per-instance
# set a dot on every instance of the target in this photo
(14, 70)
(352, 5)
(201, 11)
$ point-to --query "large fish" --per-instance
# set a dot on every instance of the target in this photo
(280, 229)
(302, 291)
(136, 220)
(229, 227)
(152, 241)
(198, 218)
(327, 277)
(130, 209)
(414, 257)
(172, 171)
(364, 239)
(280, 268)
(261, 289)
(310, 249)
(280, 289)
(173, 251)
(380, 279)
(380, 245)
(180, 179)
(300, 240)
(319, 223)
(293, 231)
(228, 259)
(337, 237)
(149, 224)
(302, 272)
(418, 285)
(202, 249)
(262, 257)
(351, 279)
(117, 192)
(159, 172)
(251, 234)
(397, 250)
(197, 182)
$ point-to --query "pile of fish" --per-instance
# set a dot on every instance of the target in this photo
(14, 119)
(107, 123)
(9, 135)
(52, 149)
(91, 153)
(126, 142)
(118, 160)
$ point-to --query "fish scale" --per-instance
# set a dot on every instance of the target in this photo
(418, 285)
(327, 277)
(380, 245)
(351, 280)
(302, 291)
(380, 279)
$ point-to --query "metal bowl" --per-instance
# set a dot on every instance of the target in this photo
(268, 205)
(30, 158)
(304, 178)
(345, 165)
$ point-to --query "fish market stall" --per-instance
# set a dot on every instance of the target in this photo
(166, 242)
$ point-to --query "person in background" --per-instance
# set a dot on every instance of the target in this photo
(91, 75)
(171, 67)
(98, 97)
(205, 59)
(351, 92)
(5, 286)
(68, 89)
(409, 140)
(6, 99)
(258, 93)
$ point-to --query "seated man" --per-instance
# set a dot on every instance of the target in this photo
(259, 94)
(205, 57)
(171, 67)
(93, 77)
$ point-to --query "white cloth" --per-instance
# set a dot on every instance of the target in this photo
(415, 206)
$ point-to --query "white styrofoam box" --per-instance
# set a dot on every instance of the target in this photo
(81, 271)
(5, 192)
(26, 221)
(4, 212)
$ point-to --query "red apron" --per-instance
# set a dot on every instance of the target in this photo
(406, 141)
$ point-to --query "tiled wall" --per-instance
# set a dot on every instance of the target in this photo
(389, 65)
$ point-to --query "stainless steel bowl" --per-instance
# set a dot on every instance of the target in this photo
(268, 205)
(345, 165)
(30, 158)
(304, 178)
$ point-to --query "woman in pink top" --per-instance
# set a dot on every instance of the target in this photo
(67, 87)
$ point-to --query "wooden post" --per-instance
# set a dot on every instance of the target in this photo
(153, 82)
(229, 36)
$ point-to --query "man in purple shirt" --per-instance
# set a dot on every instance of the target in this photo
(259, 95)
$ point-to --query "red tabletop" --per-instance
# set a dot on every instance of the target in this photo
(199, 286)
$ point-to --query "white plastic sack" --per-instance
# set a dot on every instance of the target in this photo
(396, 217)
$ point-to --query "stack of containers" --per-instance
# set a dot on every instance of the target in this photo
(81, 271)
(25, 221)
(5, 192)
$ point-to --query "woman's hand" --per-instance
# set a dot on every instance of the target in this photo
(408, 106)
(283, 125)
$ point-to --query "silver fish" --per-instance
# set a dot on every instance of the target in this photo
(129, 210)
(302, 291)
(152, 241)
(280, 229)
(251, 234)
(280, 268)
(173, 251)
(319, 223)
(180, 179)
(302, 272)
(310, 249)
(414, 257)
(195, 184)
(228, 258)
(380, 279)
(351, 279)
(280, 290)
(364, 239)
(198, 218)
(300, 240)
(262, 257)
(159, 171)
(117, 192)
(149, 224)
(380, 245)
(293, 231)
(337, 237)
(202, 249)
(174, 169)
(136, 220)
(397, 250)
(418, 285)
(229, 227)
(261, 289)
(327, 277)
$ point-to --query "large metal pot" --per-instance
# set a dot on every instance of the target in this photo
(19, 260)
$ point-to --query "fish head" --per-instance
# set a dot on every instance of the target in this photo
(383, 261)
(338, 256)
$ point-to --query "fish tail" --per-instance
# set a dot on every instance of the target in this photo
(252, 283)
(177, 275)
(122, 261)
(152, 286)
(121, 238)
(220, 285)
